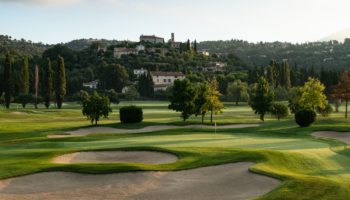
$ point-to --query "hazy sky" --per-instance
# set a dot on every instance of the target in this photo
(53, 21)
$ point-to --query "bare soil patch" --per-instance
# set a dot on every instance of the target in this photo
(146, 157)
(230, 181)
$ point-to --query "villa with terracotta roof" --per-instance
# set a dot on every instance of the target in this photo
(162, 80)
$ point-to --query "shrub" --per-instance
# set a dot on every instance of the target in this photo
(24, 99)
(326, 111)
(131, 114)
(305, 117)
(279, 111)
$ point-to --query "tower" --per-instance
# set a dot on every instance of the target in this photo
(172, 37)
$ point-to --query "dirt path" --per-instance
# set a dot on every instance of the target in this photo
(147, 157)
(341, 136)
(103, 130)
(230, 181)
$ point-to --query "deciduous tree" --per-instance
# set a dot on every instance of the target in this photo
(182, 98)
(312, 95)
(279, 110)
(262, 98)
(201, 99)
(238, 91)
(212, 95)
(341, 91)
(95, 107)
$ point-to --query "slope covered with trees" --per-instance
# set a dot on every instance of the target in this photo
(330, 54)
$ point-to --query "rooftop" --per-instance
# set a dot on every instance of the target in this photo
(158, 73)
(151, 36)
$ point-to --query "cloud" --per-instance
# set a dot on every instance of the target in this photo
(43, 2)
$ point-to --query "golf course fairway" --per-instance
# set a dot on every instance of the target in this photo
(291, 162)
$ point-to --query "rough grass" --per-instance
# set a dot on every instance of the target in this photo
(310, 168)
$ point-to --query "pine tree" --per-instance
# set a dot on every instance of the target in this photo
(24, 77)
(8, 80)
(60, 87)
(48, 83)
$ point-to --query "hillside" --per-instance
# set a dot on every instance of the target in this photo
(21, 47)
(81, 44)
(318, 54)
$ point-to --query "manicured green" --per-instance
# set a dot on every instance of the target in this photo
(310, 168)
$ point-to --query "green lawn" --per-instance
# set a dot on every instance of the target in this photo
(310, 168)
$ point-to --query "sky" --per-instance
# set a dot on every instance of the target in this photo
(55, 21)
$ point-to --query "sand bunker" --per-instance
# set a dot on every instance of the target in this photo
(19, 113)
(60, 136)
(341, 136)
(147, 157)
(103, 130)
(230, 181)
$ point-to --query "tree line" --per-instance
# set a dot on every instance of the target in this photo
(195, 98)
(23, 87)
(330, 54)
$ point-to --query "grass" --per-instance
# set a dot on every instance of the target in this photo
(310, 168)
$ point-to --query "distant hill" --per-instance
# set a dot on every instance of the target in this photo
(81, 44)
(26, 47)
(21, 47)
(339, 36)
(318, 54)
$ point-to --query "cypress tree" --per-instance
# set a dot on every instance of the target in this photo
(294, 76)
(195, 46)
(272, 74)
(145, 86)
(24, 77)
(286, 75)
(8, 80)
(280, 77)
(312, 72)
(60, 88)
(188, 45)
(36, 86)
(48, 83)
